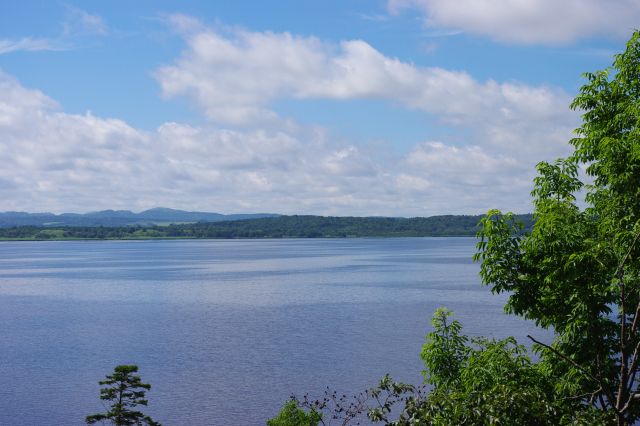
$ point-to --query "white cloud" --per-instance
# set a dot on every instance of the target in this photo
(77, 23)
(83, 23)
(470, 177)
(377, 17)
(525, 21)
(468, 165)
(69, 162)
(429, 47)
(29, 44)
(235, 77)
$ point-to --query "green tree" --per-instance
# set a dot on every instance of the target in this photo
(578, 271)
(125, 391)
(475, 381)
(445, 350)
(292, 415)
(484, 381)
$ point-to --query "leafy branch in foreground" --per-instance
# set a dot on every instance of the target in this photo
(292, 414)
(375, 403)
(469, 382)
(487, 381)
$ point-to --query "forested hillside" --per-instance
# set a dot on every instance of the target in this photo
(271, 227)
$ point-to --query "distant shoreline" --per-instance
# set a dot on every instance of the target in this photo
(279, 227)
(7, 240)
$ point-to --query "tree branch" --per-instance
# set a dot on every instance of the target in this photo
(632, 397)
(627, 373)
(626, 256)
(624, 354)
(604, 388)
(633, 369)
(634, 325)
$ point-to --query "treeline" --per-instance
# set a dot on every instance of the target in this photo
(271, 227)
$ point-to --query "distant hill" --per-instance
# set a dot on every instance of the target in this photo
(114, 218)
(270, 227)
(337, 227)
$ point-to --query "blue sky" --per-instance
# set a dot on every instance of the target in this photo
(398, 107)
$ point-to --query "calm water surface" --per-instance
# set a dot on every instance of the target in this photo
(225, 330)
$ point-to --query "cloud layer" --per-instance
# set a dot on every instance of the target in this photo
(234, 77)
(247, 159)
(29, 44)
(540, 21)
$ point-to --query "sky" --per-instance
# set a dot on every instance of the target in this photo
(328, 107)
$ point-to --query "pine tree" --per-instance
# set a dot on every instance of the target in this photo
(126, 391)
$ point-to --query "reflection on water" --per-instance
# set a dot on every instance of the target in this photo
(225, 330)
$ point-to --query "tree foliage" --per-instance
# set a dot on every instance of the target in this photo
(470, 382)
(292, 415)
(578, 270)
(484, 381)
(374, 404)
(125, 390)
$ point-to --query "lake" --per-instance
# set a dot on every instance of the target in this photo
(225, 330)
